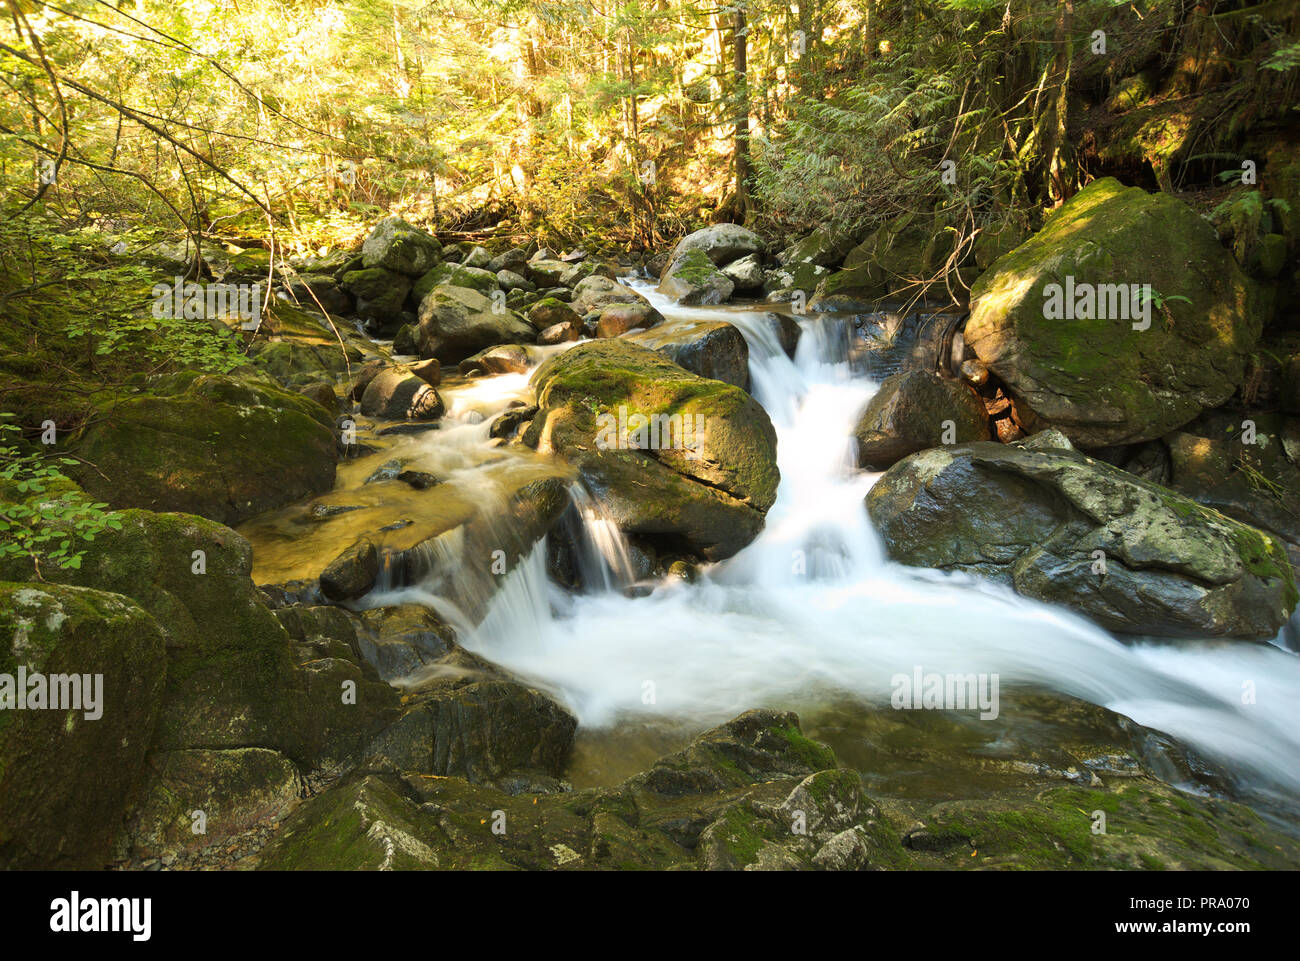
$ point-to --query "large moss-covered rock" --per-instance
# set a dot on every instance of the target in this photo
(823, 247)
(397, 246)
(753, 794)
(1098, 379)
(65, 775)
(1067, 529)
(232, 676)
(217, 446)
(456, 322)
(709, 491)
(916, 410)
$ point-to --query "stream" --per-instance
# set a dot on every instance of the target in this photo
(810, 617)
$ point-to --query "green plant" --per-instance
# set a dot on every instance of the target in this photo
(51, 514)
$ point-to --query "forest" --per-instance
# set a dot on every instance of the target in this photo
(647, 435)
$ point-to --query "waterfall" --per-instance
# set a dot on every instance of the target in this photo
(813, 609)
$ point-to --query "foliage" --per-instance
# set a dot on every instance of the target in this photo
(49, 515)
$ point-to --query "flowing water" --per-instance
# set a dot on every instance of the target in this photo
(813, 613)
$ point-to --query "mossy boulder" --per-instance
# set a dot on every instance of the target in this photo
(753, 794)
(456, 322)
(692, 278)
(781, 283)
(1064, 528)
(1108, 376)
(916, 410)
(455, 275)
(233, 678)
(65, 775)
(222, 447)
(708, 490)
(721, 244)
(550, 311)
(823, 247)
(201, 797)
(379, 293)
(395, 245)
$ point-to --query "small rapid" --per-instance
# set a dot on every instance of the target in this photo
(813, 609)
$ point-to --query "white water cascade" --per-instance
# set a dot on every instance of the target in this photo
(813, 609)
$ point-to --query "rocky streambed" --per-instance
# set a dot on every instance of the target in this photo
(474, 614)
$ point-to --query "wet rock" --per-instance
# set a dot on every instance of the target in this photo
(710, 490)
(714, 350)
(562, 333)
(1067, 529)
(913, 411)
(397, 394)
(352, 574)
(505, 359)
(420, 480)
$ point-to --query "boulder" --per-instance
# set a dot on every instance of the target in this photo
(618, 319)
(397, 246)
(66, 774)
(721, 243)
(505, 359)
(823, 247)
(456, 322)
(352, 574)
(218, 446)
(692, 278)
(707, 489)
(916, 410)
(746, 274)
(1116, 378)
(398, 394)
(455, 275)
(1064, 528)
(379, 293)
(549, 311)
(597, 292)
(711, 349)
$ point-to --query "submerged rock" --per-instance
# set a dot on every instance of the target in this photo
(1067, 529)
